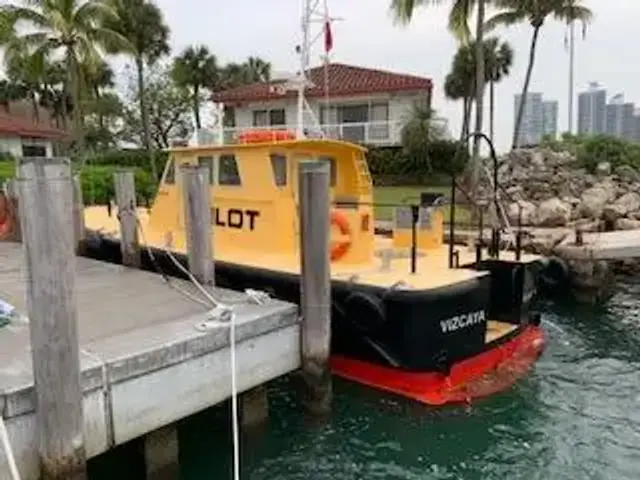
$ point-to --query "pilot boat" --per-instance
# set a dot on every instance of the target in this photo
(422, 326)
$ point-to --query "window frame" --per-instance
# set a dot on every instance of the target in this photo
(211, 160)
(219, 161)
(333, 168)
(283, 156)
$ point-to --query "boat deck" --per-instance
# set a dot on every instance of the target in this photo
(432, 269)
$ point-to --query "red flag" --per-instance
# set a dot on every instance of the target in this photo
(328, 37)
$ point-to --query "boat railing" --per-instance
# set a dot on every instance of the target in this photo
(498, 191)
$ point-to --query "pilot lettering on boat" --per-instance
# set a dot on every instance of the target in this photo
(234, 218)
(462, 321)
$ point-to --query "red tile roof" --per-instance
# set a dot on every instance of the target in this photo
(15, 125)
(343, 80)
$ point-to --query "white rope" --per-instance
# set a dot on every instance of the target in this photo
(8, 451)
(221, 315)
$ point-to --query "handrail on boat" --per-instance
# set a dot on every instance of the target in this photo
(494, 246)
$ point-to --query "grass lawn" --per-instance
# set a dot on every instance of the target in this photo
(409, 195)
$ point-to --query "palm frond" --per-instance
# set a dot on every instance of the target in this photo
(403, 10)
(506, 18)
(14, 14)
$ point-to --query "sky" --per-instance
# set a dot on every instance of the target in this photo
(368, 37)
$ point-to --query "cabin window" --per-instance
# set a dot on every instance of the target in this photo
(208, 162)
(279, 168)
(170, 172)
(333, 172)
(277, 117)
(228, 173)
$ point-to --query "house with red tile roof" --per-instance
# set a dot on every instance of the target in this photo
(353, 103)
(20, 136)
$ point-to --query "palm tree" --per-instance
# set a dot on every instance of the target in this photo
(535, 12)
(257, 70)
(458, 25)
(69, 27)
(10, 92)
(98, 78)
(141, 22)
(499, 58)
(459, 84)
(27, 70)
(196, 68)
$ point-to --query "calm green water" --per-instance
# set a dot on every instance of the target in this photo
(575, 417)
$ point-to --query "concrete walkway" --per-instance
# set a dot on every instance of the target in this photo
(144, 363)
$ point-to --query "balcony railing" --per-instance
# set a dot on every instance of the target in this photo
(369, 133)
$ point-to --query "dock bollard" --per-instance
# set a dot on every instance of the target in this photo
(125, 187)
(315, 286)
(46, 199)
(195, 181)
(79, 230)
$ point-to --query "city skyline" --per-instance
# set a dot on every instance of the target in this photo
(539, 119)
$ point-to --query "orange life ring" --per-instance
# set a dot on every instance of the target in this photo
(6, 223)
(341, 247)
(260, 136)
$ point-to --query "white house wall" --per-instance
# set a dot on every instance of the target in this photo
(400, 107)
(13, 145)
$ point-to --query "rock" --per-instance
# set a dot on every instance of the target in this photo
(528, 212)
(627, 174)
(553, 213)
(594, 199)
(626, 204)
(603, 169)
(627, 224)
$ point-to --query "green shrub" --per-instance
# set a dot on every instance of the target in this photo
(97, 182)
(591, 150)
(122, 158)
(393, 166)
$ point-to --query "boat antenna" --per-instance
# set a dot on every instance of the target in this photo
(312, 13)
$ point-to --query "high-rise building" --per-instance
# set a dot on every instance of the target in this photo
(539, 118)
(550, 118)
(531, 126)
(620, 118)
(636, 123)
(592, 110)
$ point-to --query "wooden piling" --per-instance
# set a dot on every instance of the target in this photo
(11, 192)
(315, 299)
(79, 231)
(195, 181)
(125, 188)
(45, 197)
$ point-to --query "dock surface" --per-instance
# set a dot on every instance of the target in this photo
(144, 361)
(616, 245)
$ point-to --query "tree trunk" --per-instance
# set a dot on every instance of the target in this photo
(144, 116)
(476, 166)
(492, 100)
(525, 88)
(196, 106)
(74, 86)
(96, 94)
(34, 107)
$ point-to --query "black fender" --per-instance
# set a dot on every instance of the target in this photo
(366, 310)
(553, 272)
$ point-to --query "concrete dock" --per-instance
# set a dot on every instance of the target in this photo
(616, 245)
(144, 362)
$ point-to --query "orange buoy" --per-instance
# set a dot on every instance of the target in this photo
(264, 136)
(341, 247)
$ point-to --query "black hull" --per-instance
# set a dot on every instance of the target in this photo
(414, 330)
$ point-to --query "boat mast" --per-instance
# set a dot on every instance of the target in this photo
(303, 51)
(313, 11)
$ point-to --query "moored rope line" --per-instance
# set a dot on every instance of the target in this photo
(8, 451)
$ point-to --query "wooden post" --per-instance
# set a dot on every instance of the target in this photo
(45, 196)
(127, 214)
(161, 454)
(316, 284)
(195, 182)
(78, 216)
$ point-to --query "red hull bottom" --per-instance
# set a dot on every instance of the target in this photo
(489, 372)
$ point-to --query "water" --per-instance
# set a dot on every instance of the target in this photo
(575, 417)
